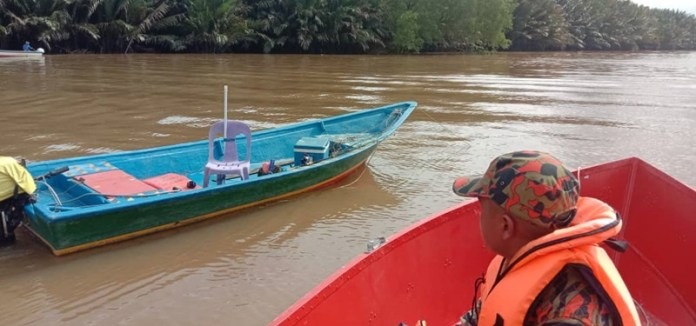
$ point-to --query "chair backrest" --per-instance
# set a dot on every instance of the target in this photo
(234, 128)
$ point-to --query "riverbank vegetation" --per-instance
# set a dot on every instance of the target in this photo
(341, 26)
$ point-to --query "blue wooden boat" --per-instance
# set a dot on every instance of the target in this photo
(95, 200)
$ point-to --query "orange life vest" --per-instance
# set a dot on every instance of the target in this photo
(506, 297)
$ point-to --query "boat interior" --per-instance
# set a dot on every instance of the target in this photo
(428, 271)
(229, 156)
(103, 182)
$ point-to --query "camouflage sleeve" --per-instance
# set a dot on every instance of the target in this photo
(470, 318)
(569, 300)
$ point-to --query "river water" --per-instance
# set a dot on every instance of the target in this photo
(245, 269)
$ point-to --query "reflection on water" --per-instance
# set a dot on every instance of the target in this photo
(215, 269)
(586, 108)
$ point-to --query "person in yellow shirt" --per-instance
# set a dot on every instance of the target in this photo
(16, 189)
(13, 174)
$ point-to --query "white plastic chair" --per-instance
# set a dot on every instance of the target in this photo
(229, 163)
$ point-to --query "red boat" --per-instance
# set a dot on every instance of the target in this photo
(427, 271)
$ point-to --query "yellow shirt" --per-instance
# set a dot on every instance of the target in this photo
(11, 174)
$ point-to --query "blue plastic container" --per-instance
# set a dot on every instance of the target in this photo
(309, 150)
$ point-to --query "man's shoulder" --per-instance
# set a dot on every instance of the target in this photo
(570, 299)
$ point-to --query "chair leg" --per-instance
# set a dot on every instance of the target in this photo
(220, 179)
(206, 178)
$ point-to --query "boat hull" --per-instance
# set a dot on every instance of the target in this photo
(99, 229)
(67, 229)
(20, 54)
(427, 272)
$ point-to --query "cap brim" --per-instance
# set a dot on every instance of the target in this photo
(468, 186)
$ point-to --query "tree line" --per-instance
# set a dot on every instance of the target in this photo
(341, 26)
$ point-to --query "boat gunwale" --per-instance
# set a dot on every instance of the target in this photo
(256, 134)
(43, 211)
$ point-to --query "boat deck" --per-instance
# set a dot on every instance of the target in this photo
(88, 185)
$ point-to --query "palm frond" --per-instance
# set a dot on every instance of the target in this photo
(169, 21)
(153, 17)
(116, 27)
(88, 31)
(92, 6)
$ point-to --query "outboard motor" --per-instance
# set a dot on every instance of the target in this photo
(16, 189)
(12, 215)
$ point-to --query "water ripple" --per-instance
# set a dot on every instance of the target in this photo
(247, 267)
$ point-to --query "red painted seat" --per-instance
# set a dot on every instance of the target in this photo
(116, 183)
(169, 181)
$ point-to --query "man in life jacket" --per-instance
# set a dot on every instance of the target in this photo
(549, 268)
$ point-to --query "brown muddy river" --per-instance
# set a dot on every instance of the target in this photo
(246, 268)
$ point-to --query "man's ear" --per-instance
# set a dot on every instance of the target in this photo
(508, 227)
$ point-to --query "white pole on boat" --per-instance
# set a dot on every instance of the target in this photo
(225, 125)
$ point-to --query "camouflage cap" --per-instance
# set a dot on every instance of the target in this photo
(531, 185)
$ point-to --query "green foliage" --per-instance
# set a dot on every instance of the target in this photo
(211, 26)
(406, 37)
(598, 25)
(493, 20)
(313, 26)
(341, 26)
(32, 20)
(539, 25)
(448, 25)
(676, 30)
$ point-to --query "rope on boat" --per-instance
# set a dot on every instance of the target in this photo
(430, 162)
(53, 193)
(58, 207)
(394, 114)
(641, 311)
(60, 204)
(361, 173)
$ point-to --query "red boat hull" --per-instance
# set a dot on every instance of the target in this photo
(427, 272)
